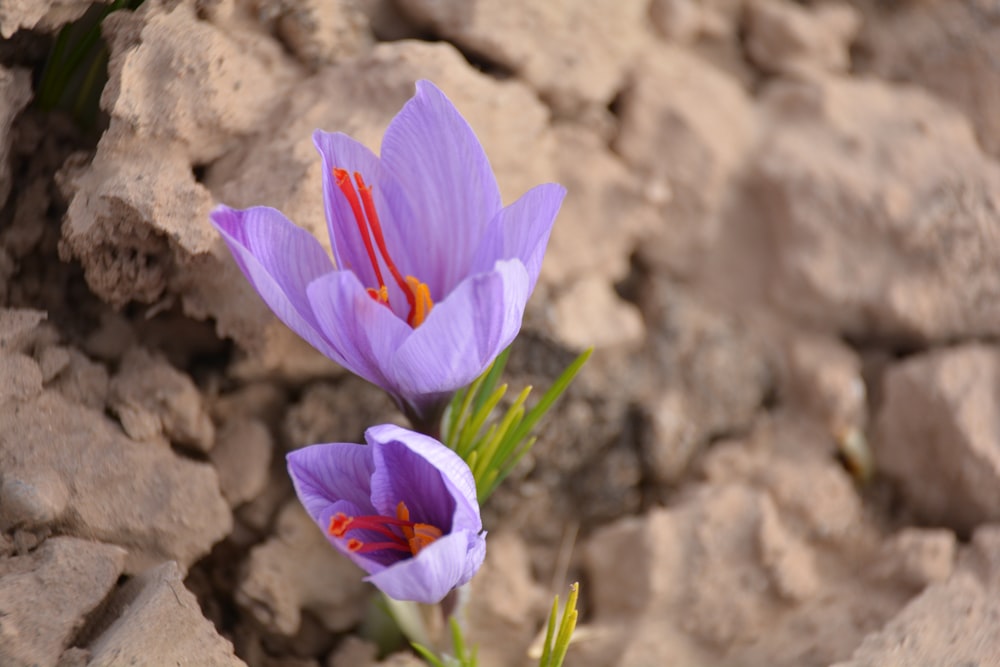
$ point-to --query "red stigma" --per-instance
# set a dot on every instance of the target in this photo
(359, 198)
(400, 534)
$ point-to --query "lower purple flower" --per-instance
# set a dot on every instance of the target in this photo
(403, 508)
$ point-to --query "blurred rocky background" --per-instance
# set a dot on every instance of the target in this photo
(782, 238)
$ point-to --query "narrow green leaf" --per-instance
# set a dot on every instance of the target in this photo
(566, 627)
(471, 428)
(500, 474)
(552, 394)
(492, 452)
(452, 415)
(491, 377)
(428, 655)
(550, 630)
(458, 642)
(556, 644)
(461, 415)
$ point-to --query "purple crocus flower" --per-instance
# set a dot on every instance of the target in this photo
(432, 271)
(403, 508)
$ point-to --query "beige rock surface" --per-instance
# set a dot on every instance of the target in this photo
(45, 597)
(44, 15)
(709, 375)
(299, 571)
(919, 557)
(505, 605)
(86, 476)
(590, 314)
(686, 128)
(179, 80)
(683, 20)
(67, 465)
(948, 622)
(937, 435)
(152, 398)
(604, 217)
(685, 121)
(950, 48)
(155, 615)
(574, 54)
(880, 208)
(242, 457)
(319, 32)
(748, 553)
(337, 413)
(787, 38)
(823, 377)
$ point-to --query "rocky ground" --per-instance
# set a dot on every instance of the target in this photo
(782, 237)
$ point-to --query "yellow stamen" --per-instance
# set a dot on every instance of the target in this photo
(422, 301)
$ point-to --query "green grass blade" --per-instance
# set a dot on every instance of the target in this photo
(550, 632)
(428, 655)
(492, 376)
(500, 474)
(472, 427)
(551, 395)
(492, 452)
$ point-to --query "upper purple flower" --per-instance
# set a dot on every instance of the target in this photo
(403, 508)
(432, 271)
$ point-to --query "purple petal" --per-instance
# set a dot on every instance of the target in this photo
(431, 574)
(475, 555)
(279, 259)
(434, 482)
(436, 161)
(402, 476)
(327, 474)
(340, 151)
(366, 332)
(464, 333)
(521, 231)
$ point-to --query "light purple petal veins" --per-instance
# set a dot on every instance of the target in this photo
(441, 169)
(465, 332)
(279, 259)
(521, 231)
(403, 508)
(368, 333)
(432, 272)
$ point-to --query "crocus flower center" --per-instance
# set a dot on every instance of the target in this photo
(359, 198)
(400, 534)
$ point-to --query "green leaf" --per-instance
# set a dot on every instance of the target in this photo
(554, 650)
(461, 658)
(493, 445)
(428, 655)
(553, 394)
(76, 68)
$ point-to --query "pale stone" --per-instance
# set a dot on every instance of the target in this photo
(160, 617)
(788, 38)
(151, 397)
(92, 481)
(45, 597)
(573, 53)
(938, 436)
(880, 208)
(590, 314)
(299, 570)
